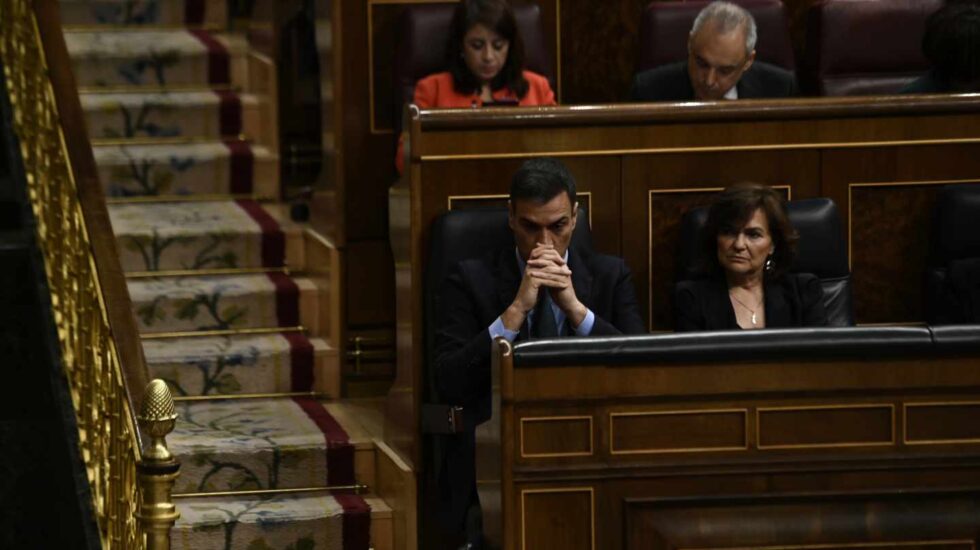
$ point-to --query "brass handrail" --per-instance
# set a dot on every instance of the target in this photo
(130, 488)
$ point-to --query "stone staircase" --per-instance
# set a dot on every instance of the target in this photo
(237, 305)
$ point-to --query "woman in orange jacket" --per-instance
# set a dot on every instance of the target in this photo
(486, 64)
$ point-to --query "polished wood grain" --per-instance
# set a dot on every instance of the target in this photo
(785, 452)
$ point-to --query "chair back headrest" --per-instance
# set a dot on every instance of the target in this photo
(459, 235)
(665, 26)
(862, 47)
(956, 226)
(423, 37)
(821, 249)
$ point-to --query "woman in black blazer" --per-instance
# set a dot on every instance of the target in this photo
(748, 246)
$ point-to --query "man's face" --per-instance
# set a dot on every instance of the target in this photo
(551, 222)
(716, 60)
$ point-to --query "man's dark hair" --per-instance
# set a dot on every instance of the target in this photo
(497, 16)
(540, 180)
(952, 43)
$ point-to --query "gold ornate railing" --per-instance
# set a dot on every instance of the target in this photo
(130, 490)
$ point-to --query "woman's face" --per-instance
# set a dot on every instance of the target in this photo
(743, 250)
(485, 52)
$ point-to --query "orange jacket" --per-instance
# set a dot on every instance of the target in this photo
(437, 91)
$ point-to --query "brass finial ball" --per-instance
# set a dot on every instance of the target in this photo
(157, 418)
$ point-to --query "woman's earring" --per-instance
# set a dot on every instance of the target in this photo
(769, 264)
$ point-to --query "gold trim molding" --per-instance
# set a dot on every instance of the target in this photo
(889, 406)
(539, 419)
(612, 431)
(905, 423)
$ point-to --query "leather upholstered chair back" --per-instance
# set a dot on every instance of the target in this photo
(821, 251)
(464, 234)
(864, 47)
(665, 26)
(955, 246)
(423, 34)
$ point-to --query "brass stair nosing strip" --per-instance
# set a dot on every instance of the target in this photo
(359, 488)
(232, 397)
(158, 89)
(207, 272)
(135, 27)
(187, 198)
(178, 140)
(221, 332)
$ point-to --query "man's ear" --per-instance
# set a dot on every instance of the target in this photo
(574, 214)
(749, 60)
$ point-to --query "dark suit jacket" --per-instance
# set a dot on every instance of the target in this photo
(794, 300)
(475, 293)
(672, 83)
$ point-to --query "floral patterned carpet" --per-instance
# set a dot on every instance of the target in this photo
(214, 275)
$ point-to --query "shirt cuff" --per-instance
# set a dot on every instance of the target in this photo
(585, 328)
(497, 328)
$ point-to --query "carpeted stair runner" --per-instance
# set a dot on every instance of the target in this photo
(214, 274)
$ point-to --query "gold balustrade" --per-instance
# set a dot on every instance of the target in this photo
(130, 491)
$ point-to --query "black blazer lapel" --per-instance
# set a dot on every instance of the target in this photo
(778, 311)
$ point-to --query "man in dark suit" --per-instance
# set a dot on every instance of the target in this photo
(720, 63)
(545, 286)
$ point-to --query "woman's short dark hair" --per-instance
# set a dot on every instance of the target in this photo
(732, 209)
(951, 42)
(497, 16)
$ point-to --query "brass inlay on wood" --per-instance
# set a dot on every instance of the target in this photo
(700, 149)
(357, 488)
(206, 272)
(555, 419)
(668, 450)
(224, 332)
(828, 445)
(143, 199)
(525, 492)
(940, 441)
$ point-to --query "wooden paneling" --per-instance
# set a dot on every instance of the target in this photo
(861, 522)
(938, 423)
(840, 426)
(647, 432)
(556, 436)
(562, 518)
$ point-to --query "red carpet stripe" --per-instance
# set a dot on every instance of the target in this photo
(241, 164)
(340, 453)
(301, 361)
(273, 239)
(229, 112)
(219, 63)
(357, 522)
(193, 12)
(287, 299)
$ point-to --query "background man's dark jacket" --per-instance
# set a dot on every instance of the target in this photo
(672, 83)
(475, 293)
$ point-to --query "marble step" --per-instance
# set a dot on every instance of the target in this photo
(202, 235)
(223, 302)
(286, 522)
(159, 58)
(208, 13)
(208, 168)
(257, 444)
(167, 114)
(244, 364)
